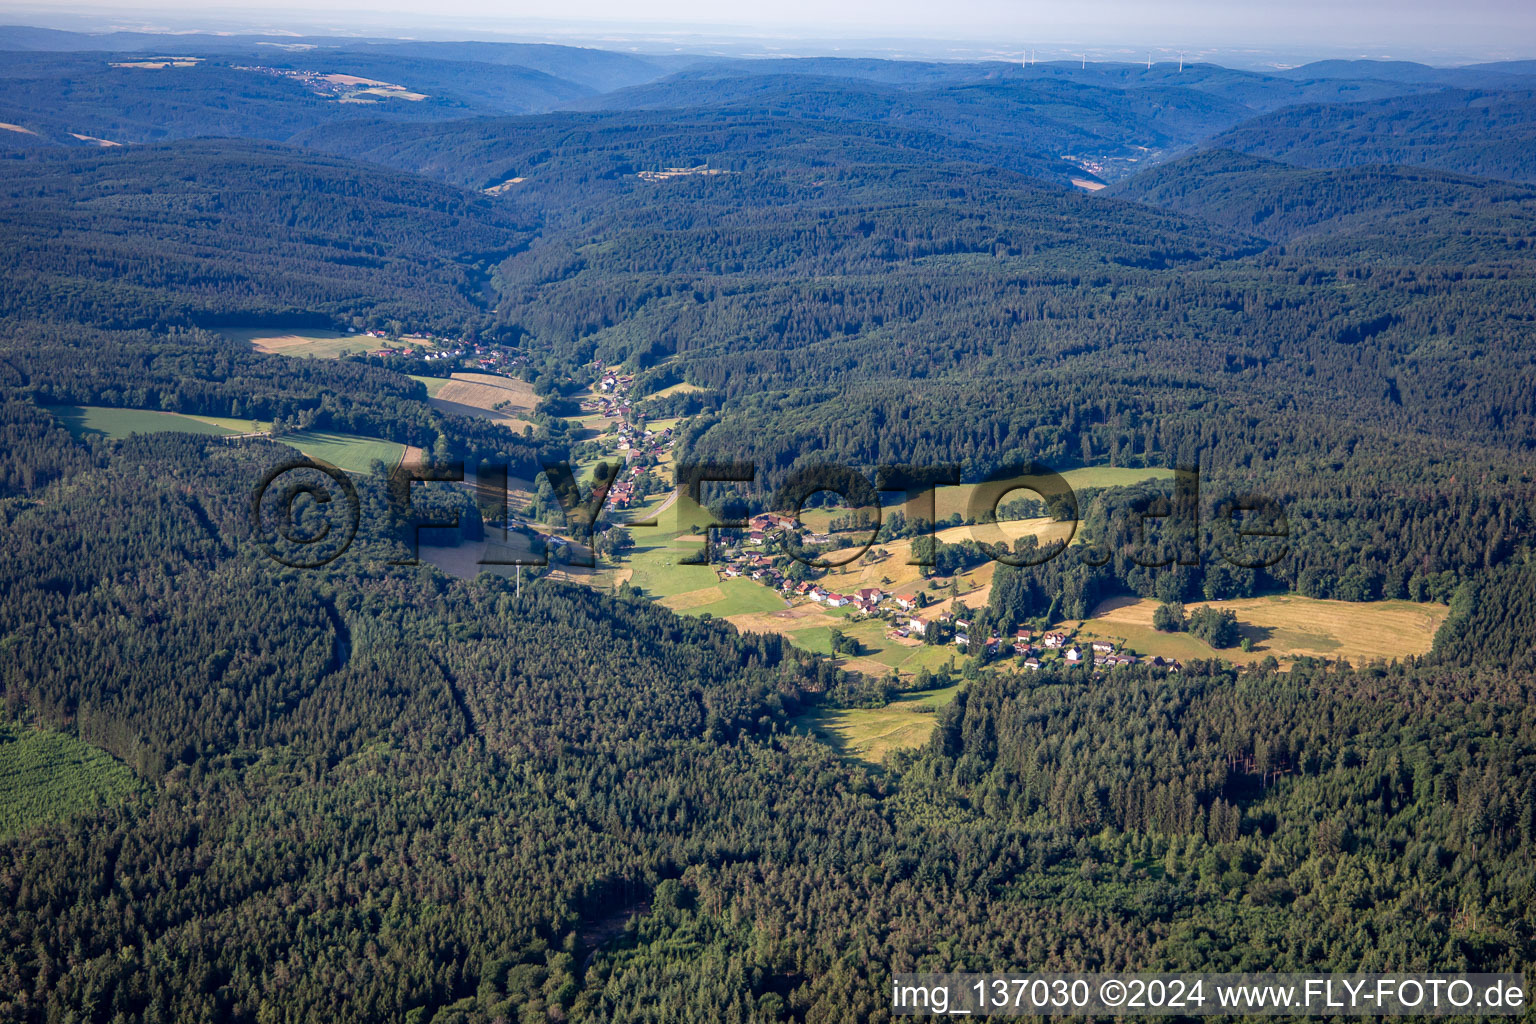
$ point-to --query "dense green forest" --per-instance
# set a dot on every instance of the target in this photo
(377, 792)
(1471, 131)
(233, 790)
(220, 232)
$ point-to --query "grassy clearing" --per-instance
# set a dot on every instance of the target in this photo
(809, 626)
(345, 451)
(84, 420)
(590, 426)
(656, 563)
(434, 385)
(1286, 626)
(312, 344)
(955, 500)
(1045, 531)
(47, 776)
(870, 733)
(726, 599)
(1086, 477)
(663, 424)
(675, 389)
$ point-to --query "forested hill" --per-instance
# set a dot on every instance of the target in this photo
(1052, 121)
(591, 68)
(591, 150)
(1393, 213)
(1481, 132)
(79, 98)
(373, 793)
(219, 232)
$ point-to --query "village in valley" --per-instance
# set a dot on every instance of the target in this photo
(820, 578)
(908, 615)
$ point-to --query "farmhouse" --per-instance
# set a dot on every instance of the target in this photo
(906, 602)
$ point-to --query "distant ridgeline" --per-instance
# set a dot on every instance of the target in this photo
(215, 233)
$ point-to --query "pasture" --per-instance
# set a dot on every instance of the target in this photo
(675, 389)
(726, 599)
(956, 500)
(869, 734)
(1286, 626)
(88, 420)
(344, 451)
(310, 343)
(434, 385)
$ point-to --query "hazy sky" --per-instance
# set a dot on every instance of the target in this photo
(1408, 28)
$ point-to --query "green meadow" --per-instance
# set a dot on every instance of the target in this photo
(87, 420)
(871, 733)
(47, 776)
(345, 451)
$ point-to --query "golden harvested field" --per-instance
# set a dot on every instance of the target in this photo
(393, 92)
(158, 63)
(1046, 531)
(949, 501)
(1286, 626)
(694, 599)
(309, 343)
(506, 400)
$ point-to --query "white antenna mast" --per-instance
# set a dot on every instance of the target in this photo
(1085, 62)
(1181, 60)
(1149, 60)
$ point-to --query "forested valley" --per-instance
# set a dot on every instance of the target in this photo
(374, 791)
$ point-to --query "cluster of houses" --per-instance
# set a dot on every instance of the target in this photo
(679, 172)
(899, 608)
(616, 383)
(622, 494)
(486, 358)
(612, 403)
